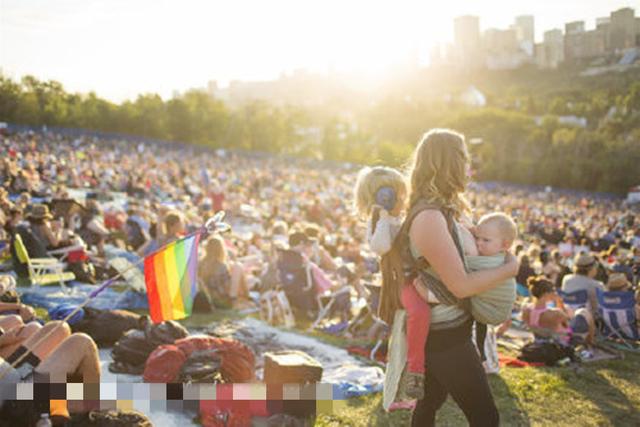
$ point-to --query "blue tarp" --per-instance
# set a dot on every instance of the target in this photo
(347, 390)
(49, 297)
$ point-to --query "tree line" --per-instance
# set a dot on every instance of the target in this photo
(519, 134)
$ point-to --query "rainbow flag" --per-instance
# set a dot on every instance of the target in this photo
(171, 278)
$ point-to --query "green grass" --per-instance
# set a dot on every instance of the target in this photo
(593, 394)
(605, 393)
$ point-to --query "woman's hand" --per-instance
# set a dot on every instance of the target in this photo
(511, 263)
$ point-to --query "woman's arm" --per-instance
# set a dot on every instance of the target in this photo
(525, 315)
(51, 236)
(24, 311)
(98, 227)
(431, 237)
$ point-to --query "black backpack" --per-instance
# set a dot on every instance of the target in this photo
(548, 352)
(132, 350)
(107, 326)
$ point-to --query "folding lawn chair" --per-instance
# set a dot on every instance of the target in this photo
(275, 309)
(328, 301)
(575, 300)
(294, 276)
(618, 316)
(42, 271)
(369, 311)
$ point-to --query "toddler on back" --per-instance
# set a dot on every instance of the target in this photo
(379, 197)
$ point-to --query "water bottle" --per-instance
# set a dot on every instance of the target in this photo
(44, 421)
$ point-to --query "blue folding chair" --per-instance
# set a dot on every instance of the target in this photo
(617, 312)
(575, 300)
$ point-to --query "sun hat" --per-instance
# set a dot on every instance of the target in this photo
(39, 211)
(618, 282)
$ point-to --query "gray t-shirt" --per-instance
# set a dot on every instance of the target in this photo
(577, 282)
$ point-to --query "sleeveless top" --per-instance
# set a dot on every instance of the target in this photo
(452, 311)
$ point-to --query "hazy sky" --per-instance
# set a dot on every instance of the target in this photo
(119, 48)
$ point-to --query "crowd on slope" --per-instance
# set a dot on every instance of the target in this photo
(137, 197)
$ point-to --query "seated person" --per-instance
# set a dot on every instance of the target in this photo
(13, 332)
(23, 311)
(49, 233)
(585, 270)
(320, 256)
(295, 274)
(7, 287)
(618, 282)
(214, 273)
(170, 227)
(53, 354)
(547, 313)
(93, 231)
(47, 353)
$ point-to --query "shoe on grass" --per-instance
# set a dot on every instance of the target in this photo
(413, 385)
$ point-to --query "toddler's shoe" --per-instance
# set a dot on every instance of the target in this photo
(413, 385)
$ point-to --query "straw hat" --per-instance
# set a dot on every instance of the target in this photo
(618, 282)
(39, 211)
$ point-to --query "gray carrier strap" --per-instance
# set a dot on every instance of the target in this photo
(424, 272)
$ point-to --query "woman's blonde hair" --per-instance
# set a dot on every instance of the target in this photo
(438, 170)
(215, 249)
(369, 181)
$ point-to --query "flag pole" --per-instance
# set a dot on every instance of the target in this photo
(213, 225)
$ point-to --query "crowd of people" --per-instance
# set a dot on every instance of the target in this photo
(137, 197)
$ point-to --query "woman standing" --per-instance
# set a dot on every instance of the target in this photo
(438, 177)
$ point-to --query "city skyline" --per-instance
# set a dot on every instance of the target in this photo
(165, 46)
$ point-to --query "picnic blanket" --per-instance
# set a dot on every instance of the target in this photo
(49, 297)
(351, 375)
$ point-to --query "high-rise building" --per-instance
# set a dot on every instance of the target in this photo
(502, 49)
(524, 27)
(623, 29)
(575, 27)
(467, 40)
(604, 25)
(594, 43)
(574, 40)
(550, 53)
(525, 33)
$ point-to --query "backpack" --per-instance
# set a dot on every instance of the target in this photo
(107, 326)
(164, 364)
(237, 361)
(133, 348)
(398, 265)
(548, 352)
(202, 366)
